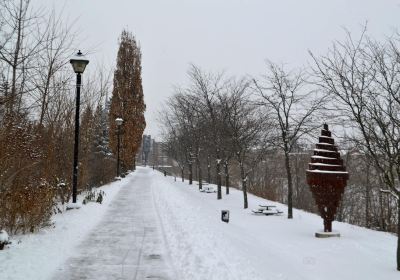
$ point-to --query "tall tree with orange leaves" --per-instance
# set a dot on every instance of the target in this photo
(127, 101)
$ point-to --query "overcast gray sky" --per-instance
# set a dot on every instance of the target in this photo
(236, 36)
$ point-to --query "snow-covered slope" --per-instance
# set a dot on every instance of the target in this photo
(263, 247)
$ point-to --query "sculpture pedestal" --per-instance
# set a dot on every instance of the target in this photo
(322, 234)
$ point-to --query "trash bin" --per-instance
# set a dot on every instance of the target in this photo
(225, 216)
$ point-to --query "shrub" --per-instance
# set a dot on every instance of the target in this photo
(26, 209)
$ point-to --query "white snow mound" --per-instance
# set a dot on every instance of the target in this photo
(3, 236)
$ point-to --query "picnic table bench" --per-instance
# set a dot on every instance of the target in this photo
(208, 189)
(267, 210)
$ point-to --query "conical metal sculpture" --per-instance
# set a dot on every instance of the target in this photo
(327, 178)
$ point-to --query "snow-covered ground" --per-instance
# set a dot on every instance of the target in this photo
(38, 255)
(199, 246)
(263, 247)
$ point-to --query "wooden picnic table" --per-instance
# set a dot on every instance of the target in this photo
(267, 210)
(208, 189)
(267, 206)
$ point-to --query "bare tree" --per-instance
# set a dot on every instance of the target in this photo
(173, 145)
(178, 130)
(205, 89)
(52, 58)
(21, 39)
(364, 79)
(291, 106)
(246, 129)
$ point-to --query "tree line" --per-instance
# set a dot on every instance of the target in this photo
(37, 106)
(257, 133)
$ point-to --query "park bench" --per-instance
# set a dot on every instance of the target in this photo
(208, 189)
(267, 210)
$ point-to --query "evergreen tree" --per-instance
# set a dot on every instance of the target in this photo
(101, 144)
(127, 101)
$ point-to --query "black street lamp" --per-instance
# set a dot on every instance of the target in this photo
(119, 122)
(79, 63)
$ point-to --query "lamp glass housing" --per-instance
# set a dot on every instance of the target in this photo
(79, 63)
(119, 121)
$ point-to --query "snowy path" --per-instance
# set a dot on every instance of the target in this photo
(127, 244)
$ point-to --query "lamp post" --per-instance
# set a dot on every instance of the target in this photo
(119, 122)
(78, 63)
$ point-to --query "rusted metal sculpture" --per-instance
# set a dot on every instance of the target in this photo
(327, 177)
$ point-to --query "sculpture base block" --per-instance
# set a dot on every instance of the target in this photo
(322, 234)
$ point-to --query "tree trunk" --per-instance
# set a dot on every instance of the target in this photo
(398, 234)
(196, 172)
(381, 214)
(209, 173)
(389, 211)
(290, 186)
(15, 60)
(367, 197)
(297, 183)
(44, 104)
(200, 176)
(219, 179)
(244, 186)
(227, 177)
(183, 174)
(190, 173)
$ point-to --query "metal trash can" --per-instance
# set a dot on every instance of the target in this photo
(225, 216)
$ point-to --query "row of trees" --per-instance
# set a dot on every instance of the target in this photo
(228, 121)
(37, 105)
(257, 132)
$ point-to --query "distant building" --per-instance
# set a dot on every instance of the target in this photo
(151, 153)
(146, 148)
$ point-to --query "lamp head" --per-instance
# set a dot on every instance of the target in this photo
(119, 121)
(79, 62)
